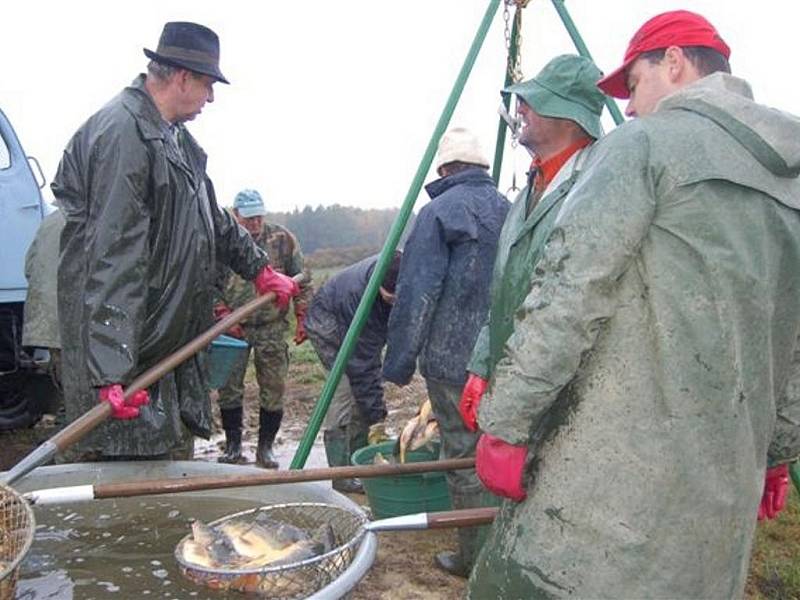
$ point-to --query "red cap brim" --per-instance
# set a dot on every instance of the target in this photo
(615, 84)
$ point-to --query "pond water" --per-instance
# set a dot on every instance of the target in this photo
(117, 548)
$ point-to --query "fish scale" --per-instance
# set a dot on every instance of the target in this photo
(239, 544)
(419, 430)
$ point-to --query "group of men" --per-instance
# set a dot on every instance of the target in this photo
(639, 373)
(618, 348)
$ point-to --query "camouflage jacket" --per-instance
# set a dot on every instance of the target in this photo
(285, 256)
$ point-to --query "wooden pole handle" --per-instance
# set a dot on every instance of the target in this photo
(189, 484)
(87, 422)
(466, 517)
(79, 428)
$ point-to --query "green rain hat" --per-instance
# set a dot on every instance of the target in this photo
(566, 88)
(248, 203)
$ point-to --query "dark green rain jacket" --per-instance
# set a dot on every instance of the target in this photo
(521, 243)
(654, 368)
(136, 271)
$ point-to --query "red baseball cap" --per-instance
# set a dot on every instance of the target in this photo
(675, 28)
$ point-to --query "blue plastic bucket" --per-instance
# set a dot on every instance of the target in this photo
(225, 351)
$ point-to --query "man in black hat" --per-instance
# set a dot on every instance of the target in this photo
(143, 233)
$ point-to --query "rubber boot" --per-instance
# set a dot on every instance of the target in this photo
(337, 451)
(450, 562)
(233, 447)
(232, 424)
(269, 421)
(470, 539)
(357, 437)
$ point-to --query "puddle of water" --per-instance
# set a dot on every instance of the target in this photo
(124, 548)
(284, 450)
(116, 548)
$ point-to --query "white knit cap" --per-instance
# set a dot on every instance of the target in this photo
(460, 144)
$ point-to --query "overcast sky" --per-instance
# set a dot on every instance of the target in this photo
(334, 102)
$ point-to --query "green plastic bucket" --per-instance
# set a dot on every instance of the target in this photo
(393, 496)
(222, 356)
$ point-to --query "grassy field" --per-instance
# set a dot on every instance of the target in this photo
(307, 368)
(775, 566)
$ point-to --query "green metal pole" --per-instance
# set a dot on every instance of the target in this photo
(584, 51)
(364, 307)
(502, 126)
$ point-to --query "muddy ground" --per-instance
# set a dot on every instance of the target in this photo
(404, 565)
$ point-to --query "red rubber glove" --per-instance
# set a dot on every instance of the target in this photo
(500, 466)
(122, 409)
(220, 312)
(283, 286)
(300, 334)
(470, 399)
(776, 488)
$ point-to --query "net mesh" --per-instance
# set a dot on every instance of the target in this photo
(294, 580)
(16, 535)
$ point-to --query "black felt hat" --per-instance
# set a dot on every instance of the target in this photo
(189, 46)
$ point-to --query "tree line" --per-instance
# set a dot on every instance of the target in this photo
(337, 226)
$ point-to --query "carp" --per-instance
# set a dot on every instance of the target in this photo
(253, 544)
(380, 459)
(208, 548)
(419, 430)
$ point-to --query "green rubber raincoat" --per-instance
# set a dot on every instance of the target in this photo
(654, 368)
(137, 266)
(40, 326)
(521, 243)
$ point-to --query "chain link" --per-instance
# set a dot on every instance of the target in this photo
(515, 65)
(506, 28)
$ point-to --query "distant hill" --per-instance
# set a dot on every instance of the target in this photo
(331, 258)
(331, 227)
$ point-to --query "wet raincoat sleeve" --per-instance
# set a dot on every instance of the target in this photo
(479, 361)
(117, 244)
(785, 444)
(329, 317)
(235, 247)
(222, 280)
(364, 373)
(426, 258)
(574, 287)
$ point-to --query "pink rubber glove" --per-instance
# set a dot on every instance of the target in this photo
(776, 488)
(300, 334)
(223, 310)
(283, 286)
(500, 466)
(470, 399)
(122, 409)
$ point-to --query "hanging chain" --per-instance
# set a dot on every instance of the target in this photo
(515, 65)
(506, 28)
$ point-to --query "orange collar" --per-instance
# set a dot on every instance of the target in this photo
(546, 170)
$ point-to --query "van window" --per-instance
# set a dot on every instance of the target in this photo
(5, 155)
